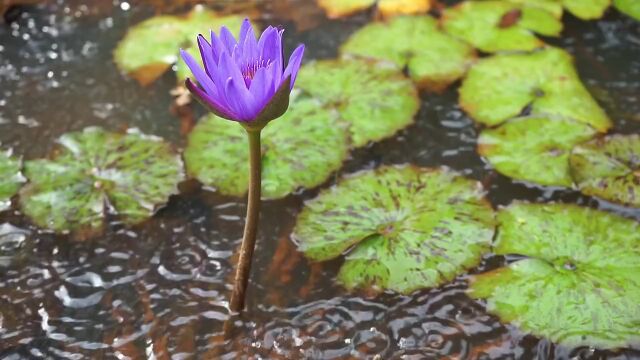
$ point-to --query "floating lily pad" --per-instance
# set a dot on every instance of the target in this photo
(340, 8)
(409, 227)
(580, 281)
(300, 150)
(94, 172)
(628, 7)
(373, 99)
(609, 168)
(544, 82)
(586, 9)
(150, 48)
(500, 25)
(10, 178)
(434, 59)
(534, 148)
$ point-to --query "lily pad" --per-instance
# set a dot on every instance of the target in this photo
(628, 7)
(407, 227)
(544, 82)
(580, 281)
(341, 8)
(10, 178)
(374, 100)
(95, 172)
(300, 150)
(493, 26)
(609, 168)
(434, 59)
(150, 48)
(586, 9)
(534, 148)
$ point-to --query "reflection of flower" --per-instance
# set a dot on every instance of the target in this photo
(244, 80)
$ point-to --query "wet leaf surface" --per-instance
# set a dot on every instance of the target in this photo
(628, 7)
(341, 8)
(609, 168)
(10, 178)
(374, 100)
(493, 26)
(544, 82)
(580, 281)
(151, 47)
(534, 148)
(408, 227)
(94, 172)
(299, 150)
(403, 41)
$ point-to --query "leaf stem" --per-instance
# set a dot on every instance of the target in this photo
(251, 225)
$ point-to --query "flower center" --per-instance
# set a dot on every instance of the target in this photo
(250, 70)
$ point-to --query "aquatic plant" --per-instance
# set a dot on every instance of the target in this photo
(245, 80)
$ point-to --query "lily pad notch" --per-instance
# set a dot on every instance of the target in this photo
(401, 228)
(93, 173)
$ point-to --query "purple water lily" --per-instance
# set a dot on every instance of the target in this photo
(244, 80)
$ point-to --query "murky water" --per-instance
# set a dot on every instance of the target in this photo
(160, 289)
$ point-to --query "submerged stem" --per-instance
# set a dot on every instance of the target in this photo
(251, 225)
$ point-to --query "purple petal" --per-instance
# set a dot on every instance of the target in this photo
(199, 74)
(227, 39)
(294, 64)
(259, 87)
(216, 47)
(231, 70)
(240, 101)
(206, 55)
(245, 29)
(250, 51)
(268, 44)
(210, 103)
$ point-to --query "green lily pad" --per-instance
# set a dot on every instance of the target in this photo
(300, 150)
(434, 59)
(493, 26)
(409, 227)
(94, 172)
(374, 100)
(534, 148)
(609, 168)
(10, 178)
(502, 86)
(580, 281)
(587, 9)
(341, 8)
(628, 7)
(150, 48)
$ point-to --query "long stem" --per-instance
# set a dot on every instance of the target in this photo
(251, 225)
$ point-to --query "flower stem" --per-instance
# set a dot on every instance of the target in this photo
(251, 225)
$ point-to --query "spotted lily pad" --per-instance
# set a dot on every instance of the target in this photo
(433, 58)
(629, 7)
(534, 148)
(95, 172)
(609, 168)
(340, 8)
(150, 48)
(500, 25)
(374, 100)
(300, 150)
(579, 282)
(404, 228)
(10, 178)
(545, 82)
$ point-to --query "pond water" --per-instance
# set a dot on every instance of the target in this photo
(161, 289)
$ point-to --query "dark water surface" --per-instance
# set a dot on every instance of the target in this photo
(160, 289)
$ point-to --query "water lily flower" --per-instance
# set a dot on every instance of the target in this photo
(244, 80)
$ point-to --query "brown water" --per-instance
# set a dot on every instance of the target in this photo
(161, 288)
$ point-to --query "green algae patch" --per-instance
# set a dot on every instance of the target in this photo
(374, 100)
(299, 150)
(609, 168)
(402, 228)
(342, 8)
(628, 7)
(151, 47)
(11, 178)
(534, 149)
(493, 26)
(579, 282)
(93, 173)
(544, 82)
(433, 58)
